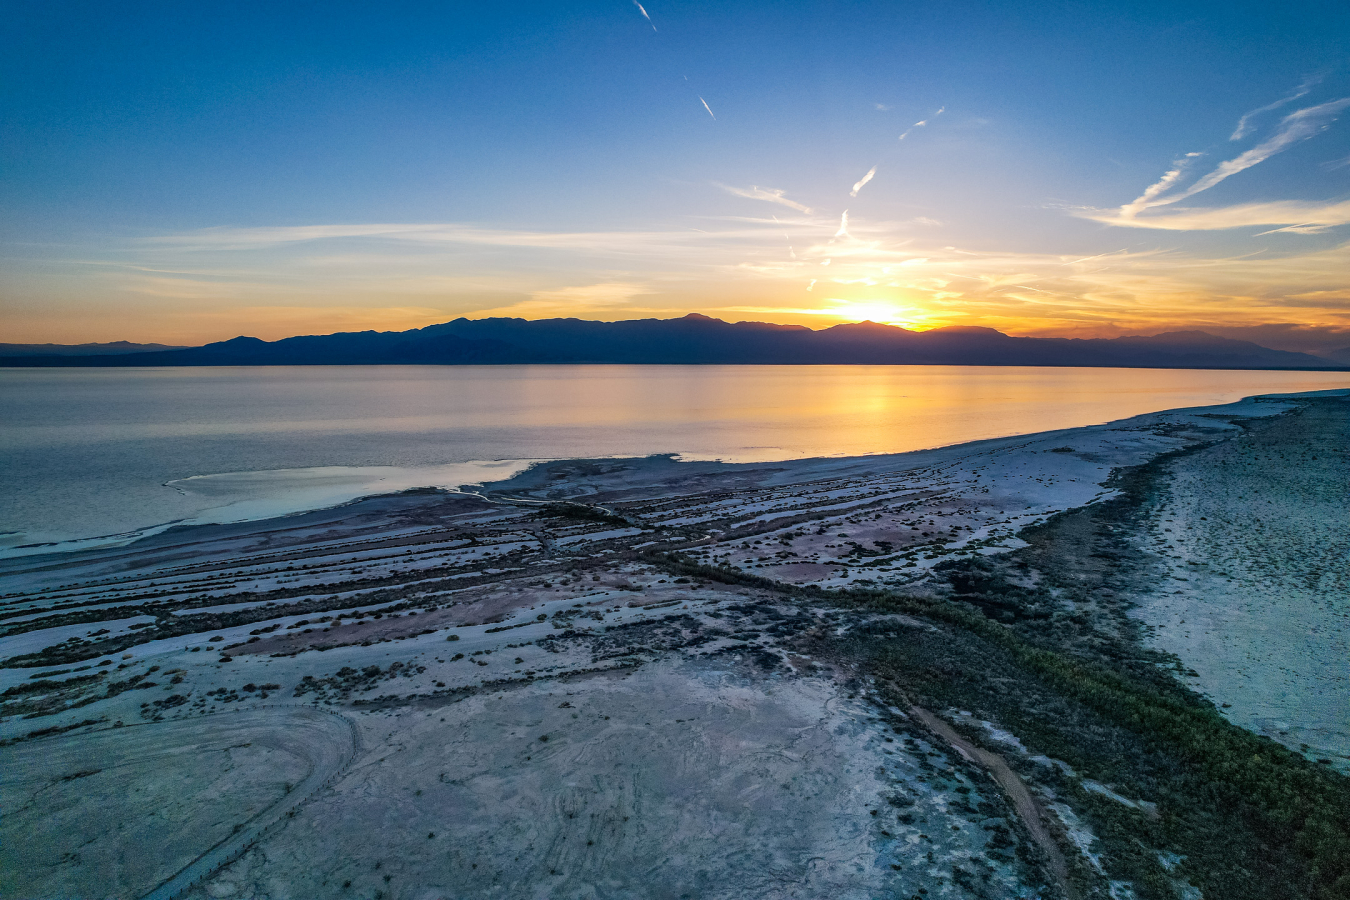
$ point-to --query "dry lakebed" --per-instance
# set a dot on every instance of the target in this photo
(1105, 662)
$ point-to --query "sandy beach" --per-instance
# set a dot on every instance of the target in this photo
(855, 677)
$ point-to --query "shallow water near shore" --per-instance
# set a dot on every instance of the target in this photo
(105, 456)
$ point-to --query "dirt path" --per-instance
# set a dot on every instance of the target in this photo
(124, 802)
(1030, 812)
(330, 743)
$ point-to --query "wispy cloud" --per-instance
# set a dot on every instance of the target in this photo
(430, 234)
(1300, 217)
(770, 195)
(882, 107)
(1169, 179)
(644, 14)
(1293, 128)
(707, 107)
(609, 293)
(1301, 228)
(922, 122)
(862, 181)
(669, 271)
(1244, 126)
(605, 299)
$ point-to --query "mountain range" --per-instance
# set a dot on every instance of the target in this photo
(692, 339)
(108, 349)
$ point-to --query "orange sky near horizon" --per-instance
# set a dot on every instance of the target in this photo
(214, 284)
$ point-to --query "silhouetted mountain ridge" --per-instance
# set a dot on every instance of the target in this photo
(112, 347)
(699, 339)
(1339, 357)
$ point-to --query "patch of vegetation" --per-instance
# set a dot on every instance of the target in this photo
(579, 511)
(45, 686)
(347, 679)
(51, 730)
(1253, 819)
(45, 697)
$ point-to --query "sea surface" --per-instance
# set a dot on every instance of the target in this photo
(92, 457)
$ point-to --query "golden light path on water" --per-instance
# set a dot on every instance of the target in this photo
(118, 451)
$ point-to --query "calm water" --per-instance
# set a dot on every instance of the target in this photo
(89, 453)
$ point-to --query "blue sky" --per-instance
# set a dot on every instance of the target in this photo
(189, 172)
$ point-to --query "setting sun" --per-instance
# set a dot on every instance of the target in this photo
(880, 311)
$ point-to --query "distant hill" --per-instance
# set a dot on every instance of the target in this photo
(108, 349)
(697, 339)
(1339, 357)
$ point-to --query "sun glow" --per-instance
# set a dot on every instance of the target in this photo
(880, 311)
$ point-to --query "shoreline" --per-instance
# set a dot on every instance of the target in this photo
(439, 477)
(96, 473)
(294, 492)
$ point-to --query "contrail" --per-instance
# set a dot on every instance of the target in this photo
(707, 107)
(644, 14)
(843, 226)
(866, 178)
(921, 123)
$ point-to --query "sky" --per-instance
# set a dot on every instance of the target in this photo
(188, 172)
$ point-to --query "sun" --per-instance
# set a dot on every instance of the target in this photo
(880, 311)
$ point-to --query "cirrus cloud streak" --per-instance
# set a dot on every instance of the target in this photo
(1297, 216)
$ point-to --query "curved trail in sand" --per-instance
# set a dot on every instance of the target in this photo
(1028, 810)
(328, 741)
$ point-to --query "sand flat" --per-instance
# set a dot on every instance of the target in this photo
(747, 743)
